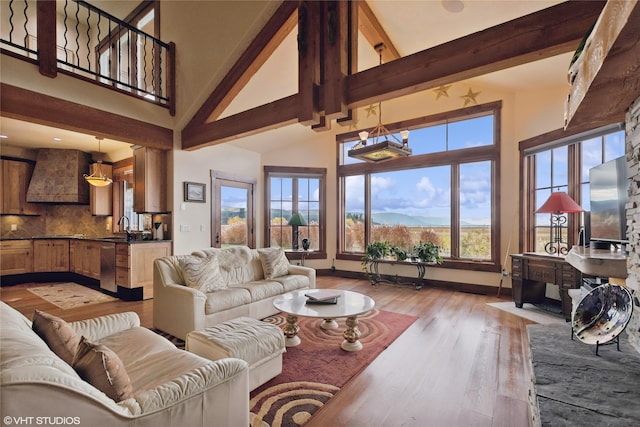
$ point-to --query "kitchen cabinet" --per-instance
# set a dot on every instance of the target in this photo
(50, 255)
(134, 265)
(15, 177)
(84, 258)
(101, 198)
(16, 257)
(149, 180)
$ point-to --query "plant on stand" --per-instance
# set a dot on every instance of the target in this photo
(428, 252)
(374, 251)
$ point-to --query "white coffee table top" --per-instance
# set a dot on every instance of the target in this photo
(349, 304)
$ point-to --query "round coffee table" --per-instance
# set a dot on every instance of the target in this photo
(350, 304)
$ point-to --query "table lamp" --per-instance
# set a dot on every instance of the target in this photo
(557, 204)
(295, 221)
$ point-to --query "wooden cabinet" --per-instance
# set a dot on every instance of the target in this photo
(530, 274)
(149, 180)
(101, 198)
(15, 176)
(134, 265)
(50, 255)
(16, 257)
(84, 258)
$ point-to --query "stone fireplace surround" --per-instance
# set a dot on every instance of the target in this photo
(632, 149)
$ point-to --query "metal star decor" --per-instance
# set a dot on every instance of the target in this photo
(371, 110)
(353, 124)
(470, 97)
(442, 91)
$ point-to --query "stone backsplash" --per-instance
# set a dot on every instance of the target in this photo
(56, 220)
(632, 141)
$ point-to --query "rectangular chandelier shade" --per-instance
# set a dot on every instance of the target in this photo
(380, 151)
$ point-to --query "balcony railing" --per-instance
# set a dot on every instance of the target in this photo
(76, 38)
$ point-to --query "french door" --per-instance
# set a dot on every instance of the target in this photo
(232, 211)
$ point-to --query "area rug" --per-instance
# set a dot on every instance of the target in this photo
(70, 295)
(530, 312)
(318, 368)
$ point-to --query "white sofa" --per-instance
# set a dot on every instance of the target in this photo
(170, 386)
(241, 290)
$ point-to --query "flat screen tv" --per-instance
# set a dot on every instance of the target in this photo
(609, 188)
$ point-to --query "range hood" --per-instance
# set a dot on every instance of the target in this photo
(57, 177)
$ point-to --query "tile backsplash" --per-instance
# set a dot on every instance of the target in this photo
(56, 220)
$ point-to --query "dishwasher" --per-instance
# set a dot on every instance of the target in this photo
(108, 266)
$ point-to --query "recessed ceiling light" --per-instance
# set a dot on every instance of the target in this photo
(453, 6)
(57, 139)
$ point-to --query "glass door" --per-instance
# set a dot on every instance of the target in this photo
(232, 213)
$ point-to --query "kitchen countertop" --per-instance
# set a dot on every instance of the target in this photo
(113, 239)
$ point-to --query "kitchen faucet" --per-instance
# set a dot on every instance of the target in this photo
(127, 226)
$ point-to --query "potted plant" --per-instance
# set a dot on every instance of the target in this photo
(428, 252)
(400, 253)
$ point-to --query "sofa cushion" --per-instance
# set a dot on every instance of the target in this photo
(262, 289)
(274, 262)
(103, 369)
(293, 282)
(226, 299)
(57, 333)
(202, 273)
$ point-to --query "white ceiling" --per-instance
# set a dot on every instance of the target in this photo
(412, 25)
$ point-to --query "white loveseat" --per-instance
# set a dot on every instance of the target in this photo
(240, 288)
(169, 386)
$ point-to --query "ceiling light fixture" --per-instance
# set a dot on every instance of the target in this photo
(453, 6)
(382, 148)
(98, 178)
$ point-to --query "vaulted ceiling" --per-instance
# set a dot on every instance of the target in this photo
(411, 27)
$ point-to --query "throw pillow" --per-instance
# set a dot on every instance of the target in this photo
(57, 334)
(202, 273)
(102, 368)
(274, 262)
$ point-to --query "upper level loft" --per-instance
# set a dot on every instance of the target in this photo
(78, 39)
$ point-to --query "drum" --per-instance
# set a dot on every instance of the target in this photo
(602, 314)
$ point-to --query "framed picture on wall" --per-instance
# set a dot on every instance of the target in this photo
(194, 192)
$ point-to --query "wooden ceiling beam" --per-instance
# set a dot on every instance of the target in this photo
(552, 31)
(259, 119)
(23, 104)
(549, 32)
(283, 21)
(335, 58)
(309, 35)
(372, 30)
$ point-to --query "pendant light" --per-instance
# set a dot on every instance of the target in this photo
(98, 178)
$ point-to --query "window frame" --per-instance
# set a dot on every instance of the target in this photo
(548, 141)
(453, 158)
(298, 172)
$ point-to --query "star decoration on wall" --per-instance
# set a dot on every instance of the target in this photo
(372, 110)
(442, 91)
(353, 124)
(470, 97)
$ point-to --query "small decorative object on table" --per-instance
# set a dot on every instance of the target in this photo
(322, 297)
(306, 244)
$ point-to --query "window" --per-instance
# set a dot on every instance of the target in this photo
(443, 193)
(562, 165)
(290, 190)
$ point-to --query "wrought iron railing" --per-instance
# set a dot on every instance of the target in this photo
(91, 44)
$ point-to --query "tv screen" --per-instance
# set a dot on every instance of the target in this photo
(609, 187)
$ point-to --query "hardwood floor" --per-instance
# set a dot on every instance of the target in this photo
(462, 363)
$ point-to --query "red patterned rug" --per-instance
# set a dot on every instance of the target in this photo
(315, 370)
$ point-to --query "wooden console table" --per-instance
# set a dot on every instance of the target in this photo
(530, 272)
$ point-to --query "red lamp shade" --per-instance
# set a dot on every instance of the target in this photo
(559, 202)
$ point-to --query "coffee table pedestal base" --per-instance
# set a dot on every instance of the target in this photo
(351, 335)
(329, 324)
(290, 331)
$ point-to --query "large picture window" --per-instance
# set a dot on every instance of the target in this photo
(290, 191)
(551, 165)
(444, 192)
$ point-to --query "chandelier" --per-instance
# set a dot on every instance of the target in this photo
(98, 178)
(384, 145)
